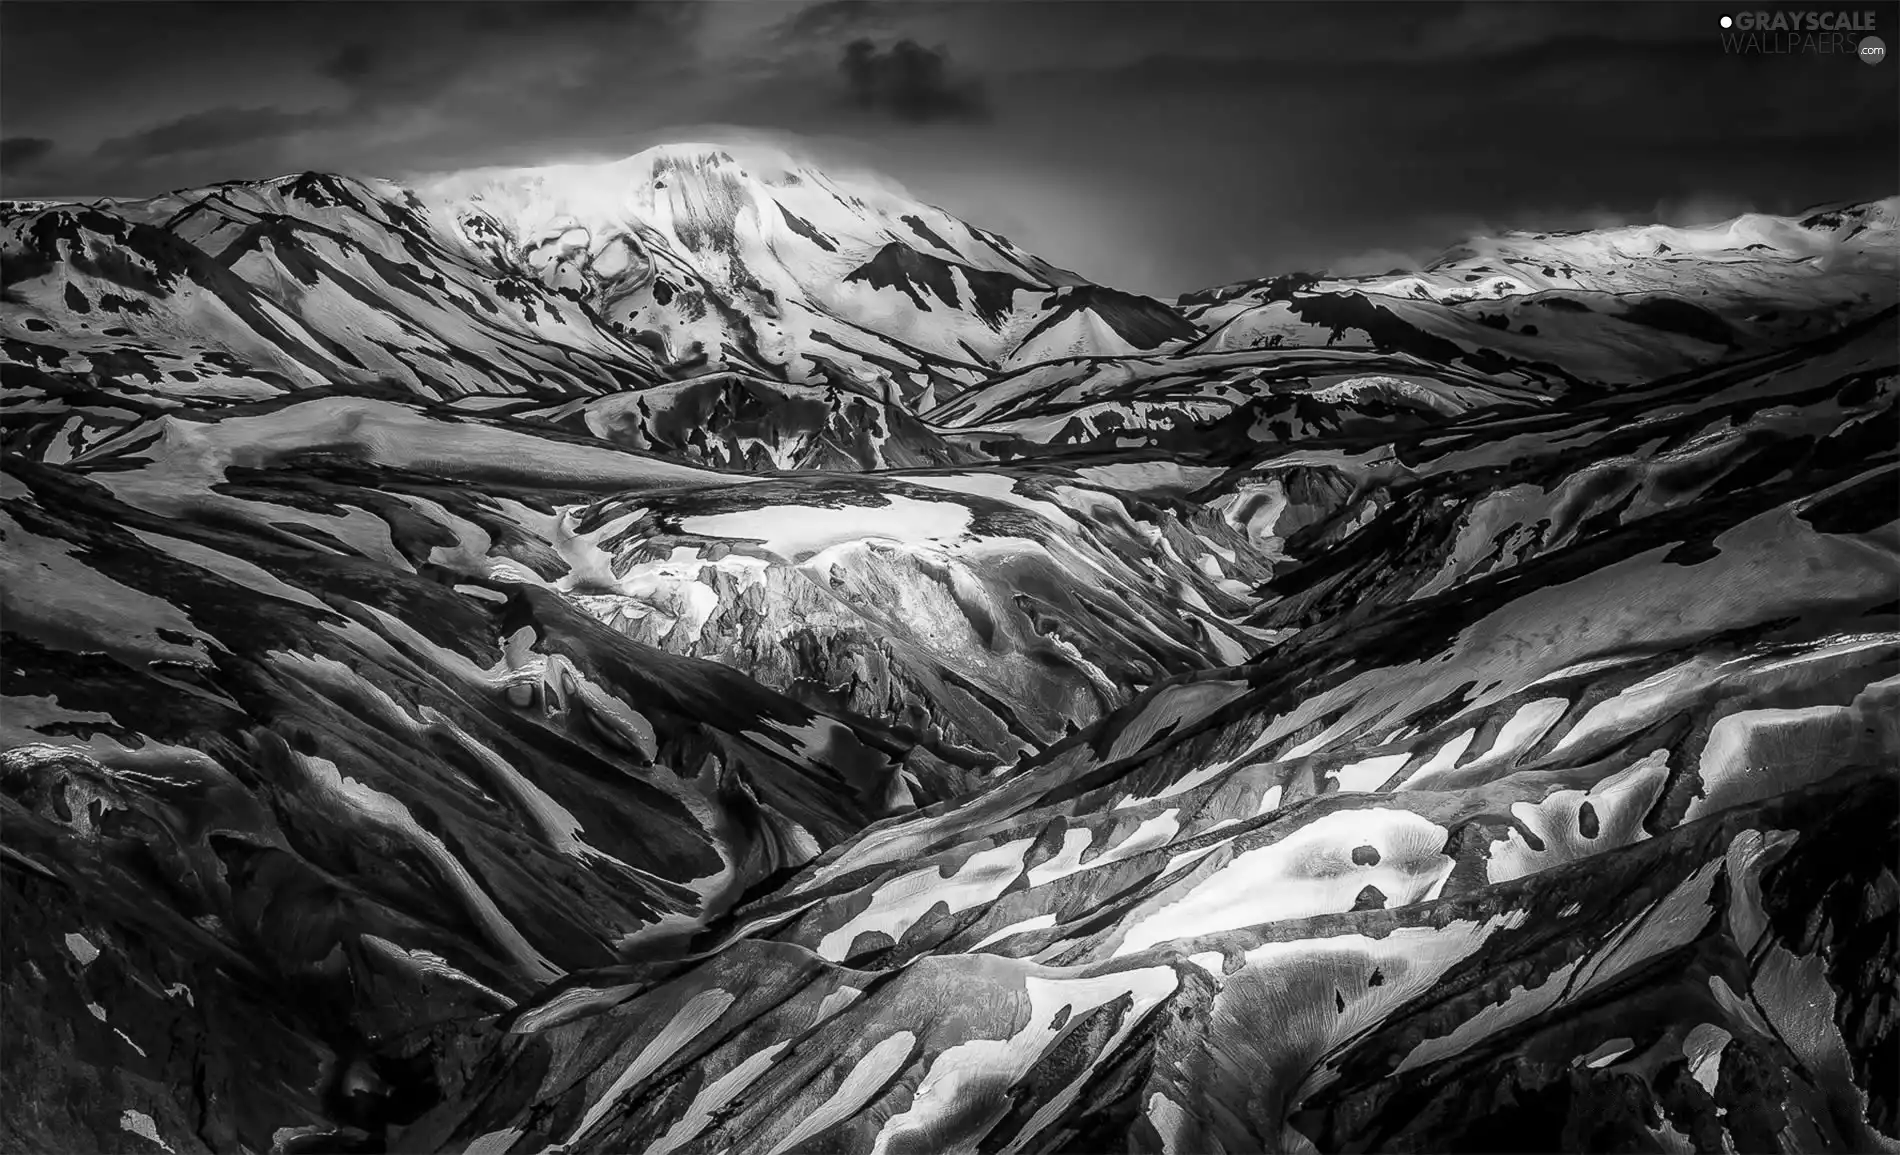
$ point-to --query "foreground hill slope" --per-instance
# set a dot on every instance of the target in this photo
(953, 707)
(1586, 846)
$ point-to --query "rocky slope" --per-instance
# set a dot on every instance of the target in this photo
(691, 655)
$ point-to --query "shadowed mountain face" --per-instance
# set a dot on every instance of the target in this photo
(691, 655)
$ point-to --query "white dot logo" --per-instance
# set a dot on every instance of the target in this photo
(1873, 50)
(1728, 21)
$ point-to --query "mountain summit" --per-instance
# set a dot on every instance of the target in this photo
(747, 257)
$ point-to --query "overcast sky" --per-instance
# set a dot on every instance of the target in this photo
(1157, 146)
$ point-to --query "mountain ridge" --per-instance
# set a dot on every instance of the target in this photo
(499, 667)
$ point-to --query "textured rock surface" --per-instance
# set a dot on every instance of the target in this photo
(443, 712)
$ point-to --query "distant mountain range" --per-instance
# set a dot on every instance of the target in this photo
(690, 654)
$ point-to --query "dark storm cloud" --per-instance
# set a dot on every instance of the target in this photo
(17, 152)
(827, 19)
(352, 63)
(179, 94)
(214, 128)
(515, 15)
(909, 82)
(422, 47)
(374, 74)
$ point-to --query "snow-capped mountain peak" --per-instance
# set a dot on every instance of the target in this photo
(739, 254)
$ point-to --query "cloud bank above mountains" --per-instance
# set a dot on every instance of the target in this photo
(1161, 147)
